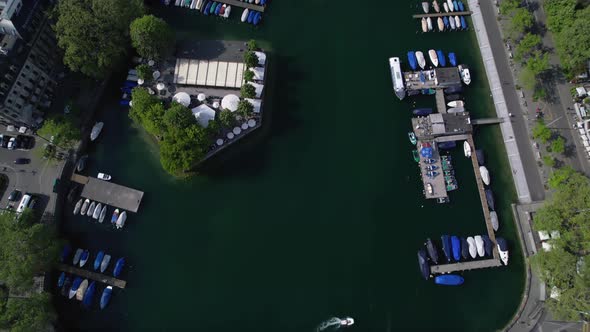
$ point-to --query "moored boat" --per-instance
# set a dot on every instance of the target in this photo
(433, 57)
(98, 260)
(227, 12)
(453, 97)
(494, 220)
(441, 24)
(425, 7)
(103, 176)
(447, 145)
(96, 130)
(461, 6)
(445, 7)
(449, 280)
(103, 214)
(105, 263)
(84, 257)
(481, 160)
(446, 22)
(464, 248)
(435, 6)
(119, 267)
(251, 16)
(485, 175)
(82, 290)
(456, 103)
(487, 245)
(65, 253)
(490, 199)
(457, 22)
(422, 111)
(441, 56)
(85, 206)
(77, 255)
(420, 59)
(75, 285)
(452, 59)
(81, 163)
(61, 279)
(412, 138)
(472, 247)
(416, 155)
(397, 78)
(456, 110)
(463, 23)
(121, 220)
(446, 242)
(479, 245)
(115, 216)
(412, 60)
(245, 14)
(456, 246)
(432, 251)
(423, 263)
(105, 297)
(467, 149)
(452, 22)
(502, 249)
(455, 5)
(465, 74)
(78, 206)
(429, 23)
(429, 189)
(97, 210)
(87, 300)
(424, 25)
(91, 209)
(66, 286)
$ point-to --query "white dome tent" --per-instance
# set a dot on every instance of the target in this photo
(230, 102)
(182, 98)
(203, 114)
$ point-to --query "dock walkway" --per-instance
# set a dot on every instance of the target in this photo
(92, 275)
(250, 6)
(109, 193)
(487, 121)
(441, 106)
(463, 266)
(465, 13)
(439, 188)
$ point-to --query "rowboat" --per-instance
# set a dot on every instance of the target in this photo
(485, 175)
(82, 290)
(78, 206)
(105, 263)
(103, 214)
(450, 4)
(121, 220)
(467, 149)
(429, 23)
(425, 7)
(445, 7)
(91, 209)
(435, 6)
(96, 212)
(424, 25)
(85, 206)
(433, 57)
(441, 24)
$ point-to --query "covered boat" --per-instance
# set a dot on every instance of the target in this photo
(432, 251)
(502, 249)
(75, 285)
(251, 16)
(485, 175)
(449, 280)
(77, 255)
(420, 59)
(467, 149)
(481, 160)
(453, 89)
(441, 24)
(96, 130)
(84, 258)
(97, 210)
(456, 110)
(85, 206)
(423, 263)
(472, 247)
(487, 245)
(98, 260)
(479, 245)
(494, 220)
(464, 248)
(78, 206)
(106, 297)
(424, 25)
(119, 267)
(61, 279)
(433, 57)
(121, 220)
(115, 216)
(412, 60)
(245, 14)
(422, 111)
(429, 23)
(446, 242)
(453, 59)
(456, 103)
(490, 199)
(105, 263)
(87, 300)
(91, 209)
(441, 56)
(456, 246)
(436, 6)
(103, 214)
(425, 7)
(82, 290)
(447, 145)
(397, 78)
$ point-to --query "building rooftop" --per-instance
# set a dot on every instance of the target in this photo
(436, 125)
(446, 77)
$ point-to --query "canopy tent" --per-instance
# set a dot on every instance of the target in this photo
(258, 87)
(244, 126)
(237, 130)
(581, 91)
(230, 135)
(261, 57)
(257, 103)
(258, 73)
(230, 102)
(251, 123)
(160, 86)
(201, 97)
(182, 98)
(219, 142)
(203, 114)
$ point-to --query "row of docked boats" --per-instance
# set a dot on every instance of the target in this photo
(251, 16)
(74, 286)
(437, 57)
(448, 6)
(101, 261)
(98, 211)
(444, 23)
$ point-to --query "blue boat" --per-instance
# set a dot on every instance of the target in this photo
(490, 199)
(456, 244)
(447, 145)
(461, 7)
(441, 58)
(432, 252)
(446, 242)
(207, 8)
(463, 23)
(423, 263)
(257, 18)
(65, 253)
(124, 102)
(61, 280)
(422, 77)
(84, 257)
(106, 297)
(464, 249)
(74, 287)
(218, 8)
(422, 111)
(412, 60)
(89, 295)
(213, 6)
(449, 280)
(66, 286)
(119, 267)
(130, 84)
(455, 5)
(452, 59)
(251, 16)
(446, 22)
(98, 260)
(487, 245)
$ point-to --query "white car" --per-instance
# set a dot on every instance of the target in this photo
(12, 143)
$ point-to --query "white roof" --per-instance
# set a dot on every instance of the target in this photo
(258, 73)
(581, 91)
(258, 88)
(544, 235)
(256, 103)
(230, 102)
(210, 73)
(182, 98)
(261, 57)
(546, 246)
(203, 114)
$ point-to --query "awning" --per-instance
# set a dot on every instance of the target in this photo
(257, 103)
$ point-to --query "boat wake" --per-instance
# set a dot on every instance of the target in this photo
(334, 324)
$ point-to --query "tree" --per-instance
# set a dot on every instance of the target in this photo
(558, 145)
(151, 37)
(145, 72)
(94, 33)
(549, 161)
(521, 21)
(573, 42)
(250, 59)
(178, 153)
(527, 45)
(251, 45)
(28, 314)
(248, 91)
(540, 131)
(538, 63)
(226, 117)
(144, 109)
(560, 177)
(560, 13)
(179, 117)
(245, 108)
(60, 130)
(507, 7)
(248, 75)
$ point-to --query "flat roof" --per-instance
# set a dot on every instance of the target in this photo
(112, 194)
(209, 73)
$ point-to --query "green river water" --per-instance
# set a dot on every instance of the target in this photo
(321, 212)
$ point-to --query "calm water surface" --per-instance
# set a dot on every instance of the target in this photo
(318, 215)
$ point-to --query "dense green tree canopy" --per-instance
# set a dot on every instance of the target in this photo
(541, 131)
(63, 129)
(248, 90)
(560, 13)
(94, 33)
(226, 117)
(522, 20)
(179, 117)
(558, 145)
(573, 42)
(29, 314)
(527, 45)
(538, 63)
(151, 37)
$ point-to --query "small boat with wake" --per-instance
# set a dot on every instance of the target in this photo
(447, 246)
(334, 323)
(432, 251)
(502, 249)
(449, 280)
(423, 263)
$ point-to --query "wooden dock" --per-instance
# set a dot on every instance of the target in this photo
(441, 106)
(451, 138)
(463, 266)
(109, 193)
(487, 121)
(92, 275)
(465, 13)
(250, 6)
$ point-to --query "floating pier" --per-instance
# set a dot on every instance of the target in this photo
(250, 6)
(465, 13)
(92, 275)
(439, 188)
(487, 121)
(109, 193)
(463, 266)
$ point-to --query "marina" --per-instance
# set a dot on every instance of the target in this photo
(463, 13)
(109, 193)
(111, 281)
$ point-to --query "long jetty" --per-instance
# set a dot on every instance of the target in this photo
(464, 13)
(463, 266)
(109, 193)
(250, 6)
(92, 275)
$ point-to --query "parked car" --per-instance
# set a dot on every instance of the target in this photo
(14, 195)
(5, 140)
(22, 161)
(12, 144)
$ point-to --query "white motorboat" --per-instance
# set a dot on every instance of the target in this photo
(465, 74)
(450, 4)
(456, 103)
(445, 7)
(424, 25)
(396, 77)
(105, 263)
(78, 206)
(85, 206)
(91, 209)
(435, 6)
(199, 4)
(177, 3)
(472, 247)
(96, 130)
(456, 110)
(420, 59)
(502, 249)
(193, 4)
(347, 321)
(467, 149)
(104, 176)
(441, 24)
(227, 12)
(103, 214)
(429, 23)
(433, 57)
(77, 256)
(485, 175)
(245, 15)
(479, 245)
(429, 189)
(97, 210)
(121, 220)
(457, 22)
(494, 220)
(425, 7)
(81, 290)
(452, 22)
